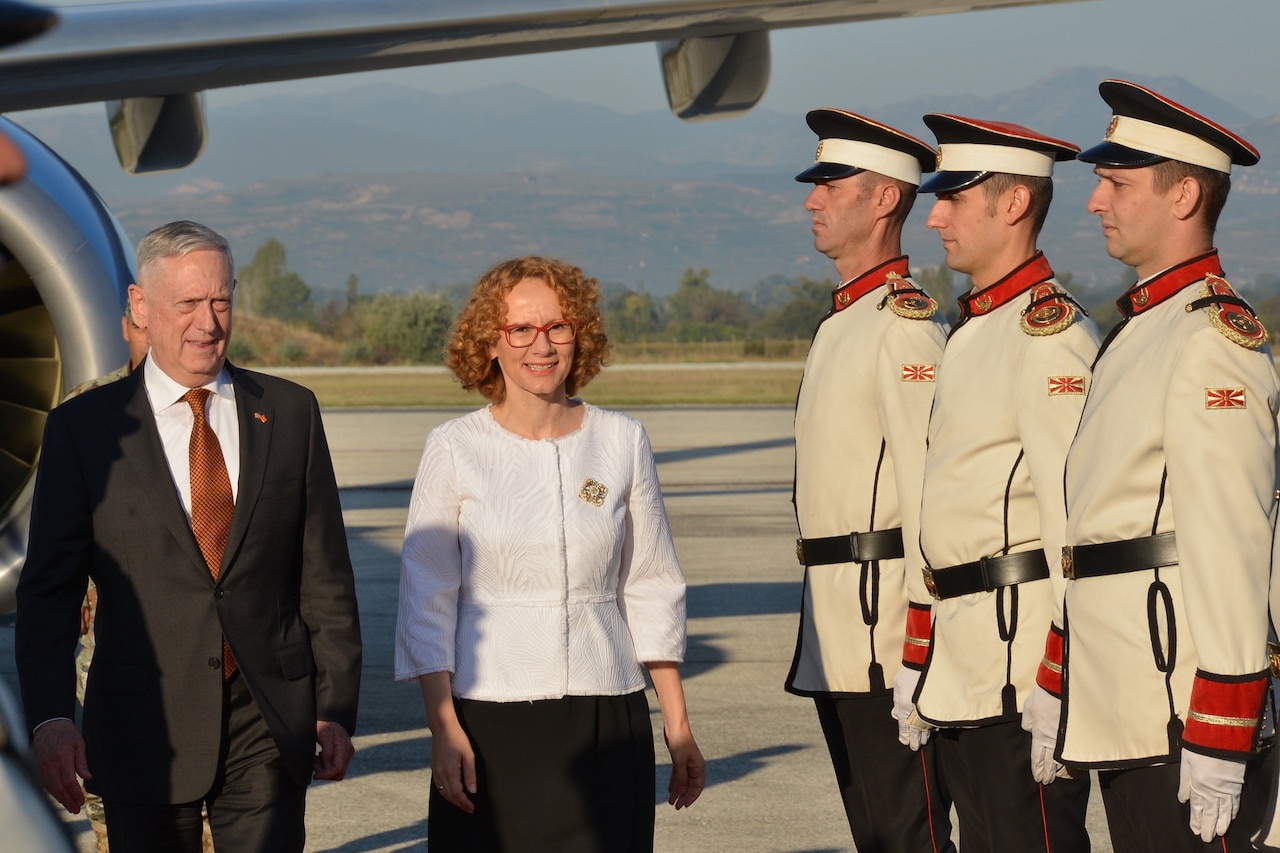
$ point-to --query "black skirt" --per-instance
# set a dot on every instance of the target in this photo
(570, 775)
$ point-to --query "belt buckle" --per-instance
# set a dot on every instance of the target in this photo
(1273, 658)
(929, 582)
(1069, 562)
(800, 551)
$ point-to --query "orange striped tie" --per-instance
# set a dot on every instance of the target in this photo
(211, 501)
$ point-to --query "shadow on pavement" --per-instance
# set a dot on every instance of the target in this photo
(411, 837)
(743, 598)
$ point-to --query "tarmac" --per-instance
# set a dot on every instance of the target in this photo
(726, 476)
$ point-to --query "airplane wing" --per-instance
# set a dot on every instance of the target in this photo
(122, 50)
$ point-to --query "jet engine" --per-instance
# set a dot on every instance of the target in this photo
(66, 266)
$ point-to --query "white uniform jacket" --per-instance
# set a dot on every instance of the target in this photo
(538, 569)
(861, 417)
(1178, 436)
(1013, 383)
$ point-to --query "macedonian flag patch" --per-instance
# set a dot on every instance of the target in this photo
(1224, 398)
(919, 372)
(1063, 385)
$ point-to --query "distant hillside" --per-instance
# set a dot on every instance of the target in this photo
(405, 188)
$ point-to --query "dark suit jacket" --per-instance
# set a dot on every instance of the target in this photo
(105, 507)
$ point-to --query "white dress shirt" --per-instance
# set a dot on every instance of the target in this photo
(538, 569)
(174, 420)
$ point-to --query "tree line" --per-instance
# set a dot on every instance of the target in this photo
(393, 327)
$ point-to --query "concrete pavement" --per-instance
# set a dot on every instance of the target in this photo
(726, 475)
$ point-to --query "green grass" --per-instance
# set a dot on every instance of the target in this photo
(663, 373)
(746, 385)
(671, 352)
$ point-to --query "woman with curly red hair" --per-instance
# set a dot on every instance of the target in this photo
(538, 581)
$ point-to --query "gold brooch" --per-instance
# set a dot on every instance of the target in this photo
(593, 492)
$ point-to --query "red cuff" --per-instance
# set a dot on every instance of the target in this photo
(1223, 717)
(1049, 675)
(915, 649)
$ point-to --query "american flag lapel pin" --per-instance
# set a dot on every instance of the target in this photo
(258, 416)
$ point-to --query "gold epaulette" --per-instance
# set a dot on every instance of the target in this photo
(907, 300)
(1230, 314)
(1049, 311)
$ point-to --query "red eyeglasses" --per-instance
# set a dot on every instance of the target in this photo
(521, 335)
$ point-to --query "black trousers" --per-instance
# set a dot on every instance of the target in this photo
(892, 796)
(254, 805)
(1144, 815)
(1000, 805)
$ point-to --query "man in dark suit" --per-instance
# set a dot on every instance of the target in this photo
(225, 653)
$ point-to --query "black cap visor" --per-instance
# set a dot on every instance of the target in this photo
(1113, 154)
(952, 182)
(827, 172)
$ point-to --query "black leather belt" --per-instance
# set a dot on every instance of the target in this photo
(987, 574)
(853, 548)
(1116, 558)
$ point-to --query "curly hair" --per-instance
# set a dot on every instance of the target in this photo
(478, 324)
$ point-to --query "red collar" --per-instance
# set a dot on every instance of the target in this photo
(1015, 283)
(1147, 295)
(847, 294)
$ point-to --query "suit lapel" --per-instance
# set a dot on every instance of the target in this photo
(140, 444)
(254, 418)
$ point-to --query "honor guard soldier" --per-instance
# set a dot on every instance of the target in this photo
(1010, 390)
(1170, 489)
(861, 417)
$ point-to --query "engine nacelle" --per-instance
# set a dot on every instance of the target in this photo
(67, 266)
(717, 76)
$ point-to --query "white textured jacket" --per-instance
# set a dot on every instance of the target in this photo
(538, 569)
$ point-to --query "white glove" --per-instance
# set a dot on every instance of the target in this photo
(1212, 786)
(1040, 715)
(912, 731)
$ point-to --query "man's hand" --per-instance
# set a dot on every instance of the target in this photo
(1040, 716)
(336, 751)
(58, 750)
(1212, 787)
(904, 687)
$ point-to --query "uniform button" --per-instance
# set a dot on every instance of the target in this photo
(214, 663)
(217, 593)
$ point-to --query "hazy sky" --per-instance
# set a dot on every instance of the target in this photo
(1229, 47)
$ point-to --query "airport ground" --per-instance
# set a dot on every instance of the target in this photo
(726, 474)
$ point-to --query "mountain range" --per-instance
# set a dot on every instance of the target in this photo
(406, 188)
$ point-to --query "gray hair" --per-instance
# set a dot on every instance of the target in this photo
(177, 239)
